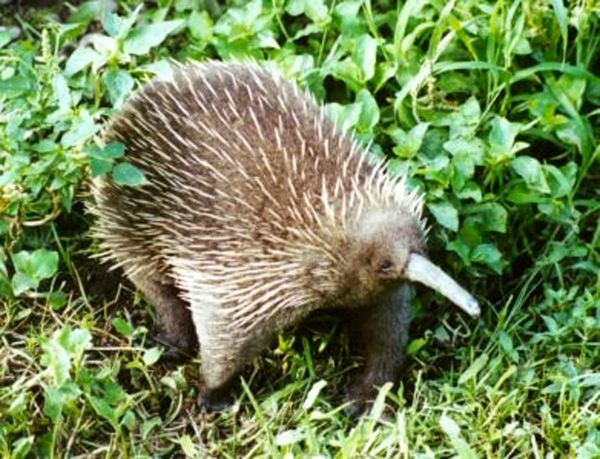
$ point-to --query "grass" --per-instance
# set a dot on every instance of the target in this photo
(491, 108)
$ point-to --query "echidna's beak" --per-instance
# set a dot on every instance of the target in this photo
(420, 269)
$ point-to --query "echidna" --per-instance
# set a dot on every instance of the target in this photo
(257, 211)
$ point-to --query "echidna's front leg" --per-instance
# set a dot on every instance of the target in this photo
(174, 320)
(383, 332)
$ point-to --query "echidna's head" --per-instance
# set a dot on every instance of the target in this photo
(387, 248)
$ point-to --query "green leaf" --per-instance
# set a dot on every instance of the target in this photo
(558, 183)
(149, 425)
(188, 446)
(369, 113)
(127, 174)
(409, 143)
(14, 86)
(452, 430)
(151, 356)
(530, 170)
(100, 166)
(82, 128)
(61, 92)
(489, 216)
(119, 84)
(116, 26)
(489, 255)
(503, 133)
(45, 263)
(313, 393)
(365, 56)
(21, 282)
(346, 116)
(5, 36)
(122, 327)
(316, 10)
(200, 25)
(57, 396)
(112, 150)
(142, 39)
(561, 17)
(81, 58)
(31, 268)
(445, 214)
(473, 369)
(21, 447)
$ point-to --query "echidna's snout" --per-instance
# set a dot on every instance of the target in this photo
(420, 269)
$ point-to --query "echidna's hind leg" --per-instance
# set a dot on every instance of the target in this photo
(383, 332)
(175, 329)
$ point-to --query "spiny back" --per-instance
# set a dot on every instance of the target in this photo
(244, 171)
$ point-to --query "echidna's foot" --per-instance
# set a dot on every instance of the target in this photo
(217, 399)
(360, 395)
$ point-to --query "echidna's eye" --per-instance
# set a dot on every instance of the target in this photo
(385, 266)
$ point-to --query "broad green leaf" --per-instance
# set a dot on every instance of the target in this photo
(127, 174)
(445, 214)
(119, 84)
(122, 327)
(86, 12)
(490, 216)
(44, 263)
(316, 10)
(151, 356)
(5, 36)
(82, 128)
(369, 113)
(112, 150)
(142, 39)
(61, 92)
(520, 193)
(21, 282)
(530, 170)
(503, 133)
(189, 447)
(365, 56)
(57, 396)
(346, 116)
(489, 255)
(99, 166)
(81, 58)
(116, 26)
(559, 184)
(200, 25)
(473, 148)
(469, 191)
(149, 425)
(21, 447)
(14, 86)
(31, 268)
(409, 143)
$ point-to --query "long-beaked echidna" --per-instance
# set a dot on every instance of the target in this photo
(257, 211)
